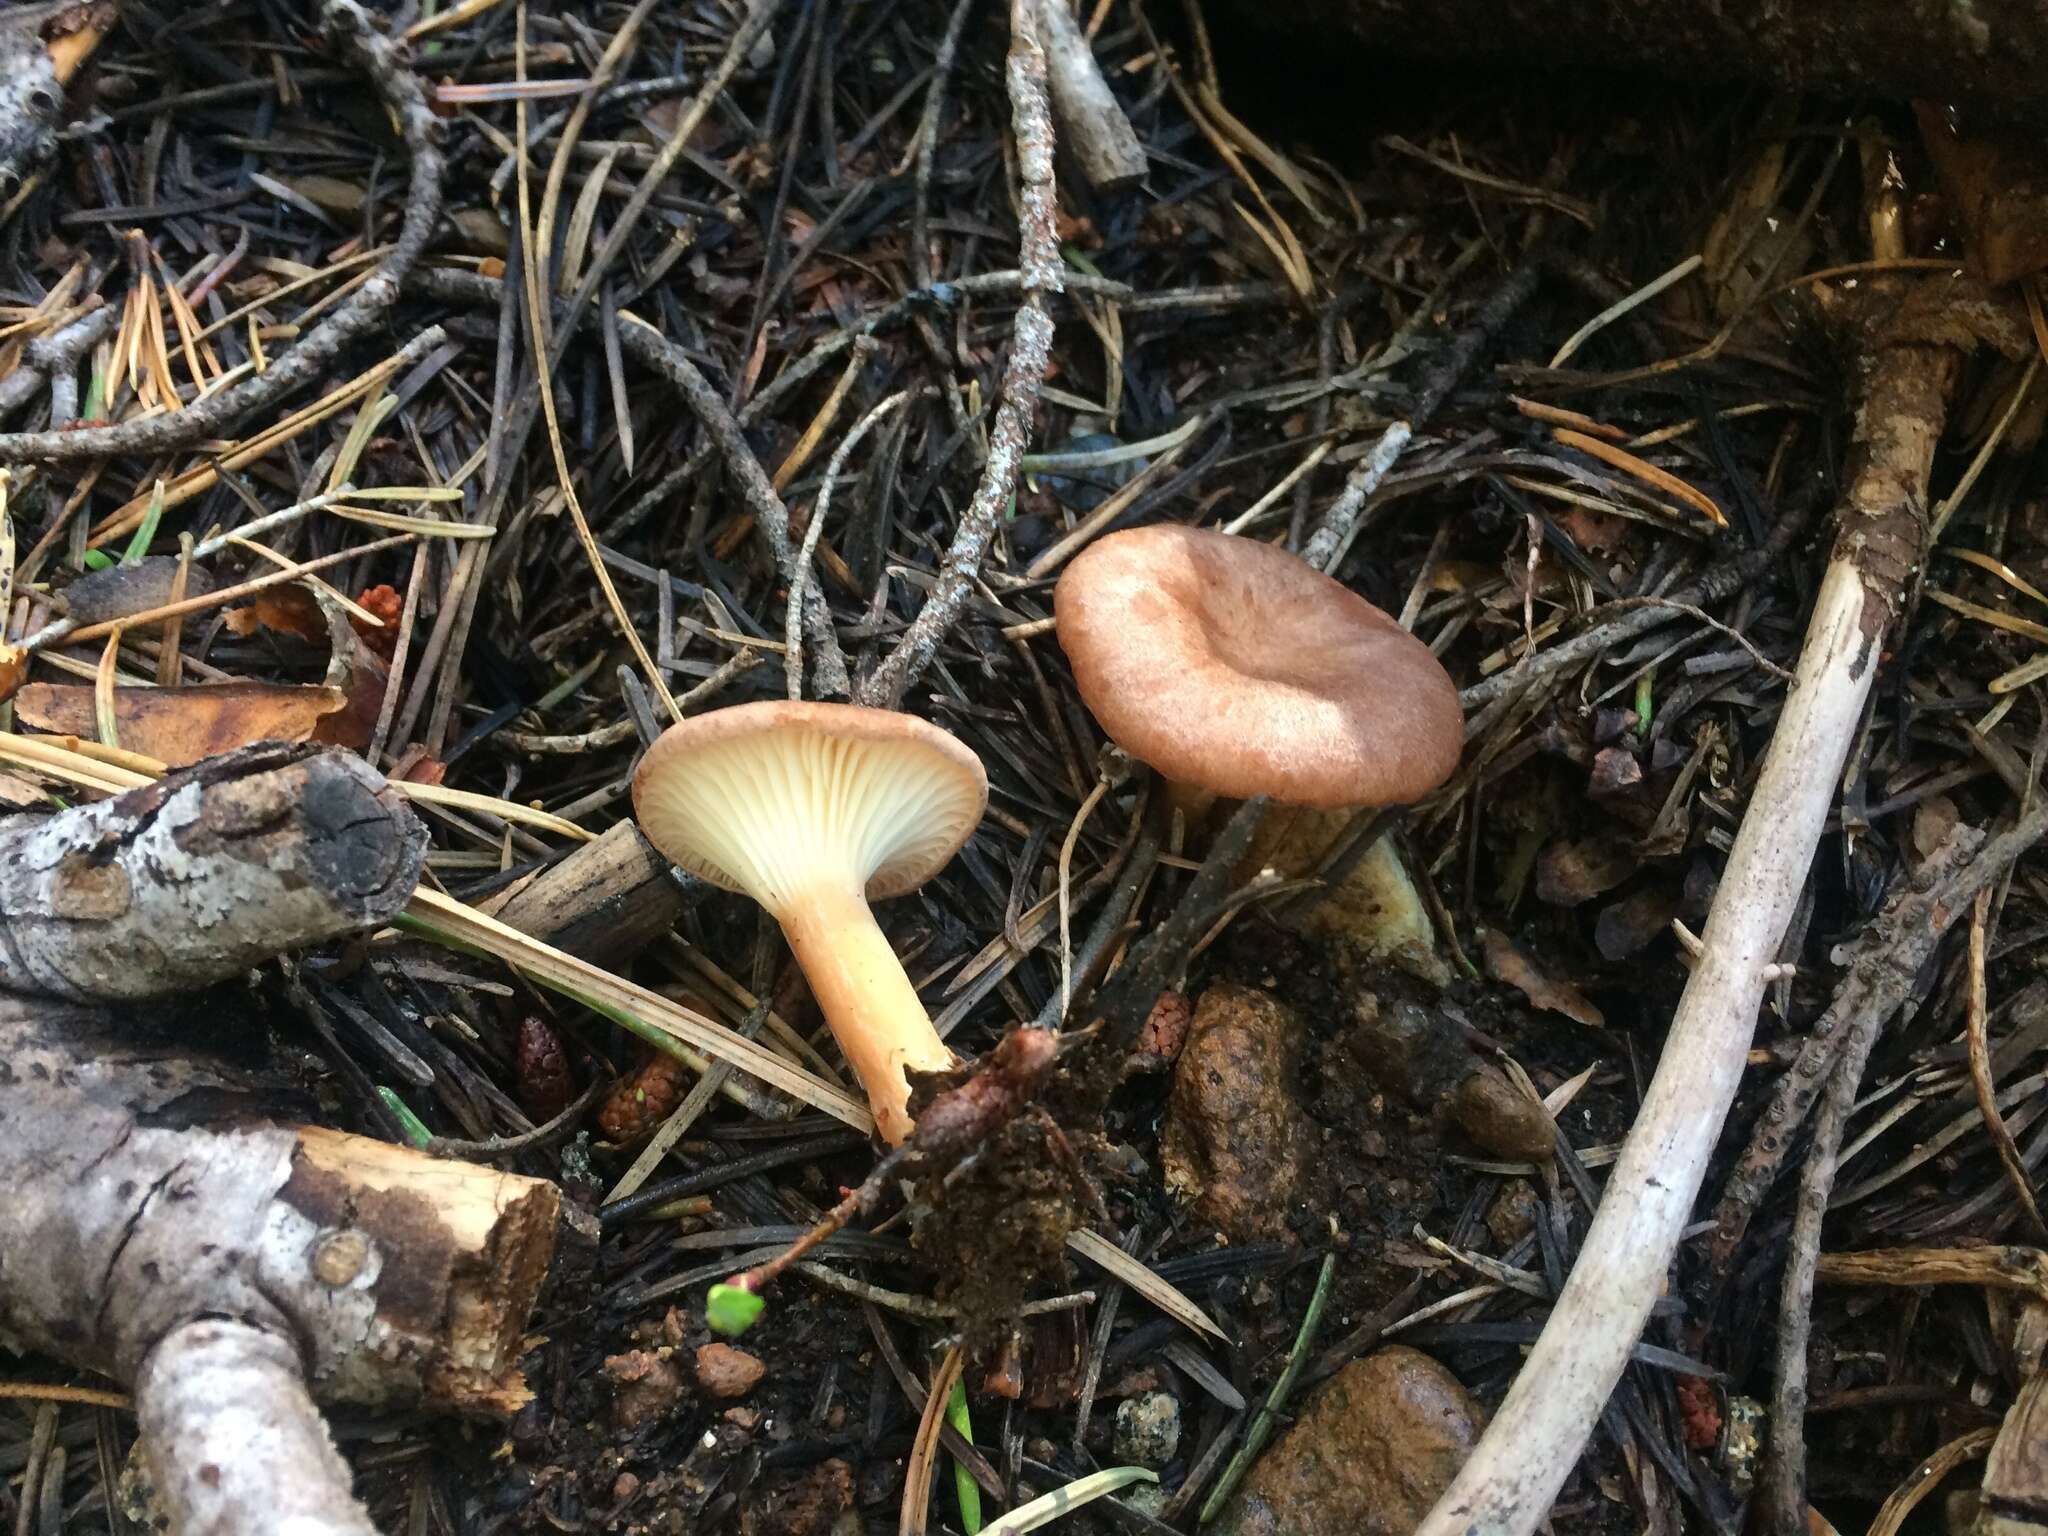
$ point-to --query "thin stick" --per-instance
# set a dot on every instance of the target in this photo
(380, 59)
(1980, 1065)
(1030, 356)
(792, 624)
(1507, 1485)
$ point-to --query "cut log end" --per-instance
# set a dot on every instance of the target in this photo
(455, 1252)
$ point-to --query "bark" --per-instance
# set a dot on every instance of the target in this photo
(606, 900)
(232, 1269)
(1988, 54)
(187, 881)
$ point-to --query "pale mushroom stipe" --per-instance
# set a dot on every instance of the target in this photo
(814, 810)
(1236, 669)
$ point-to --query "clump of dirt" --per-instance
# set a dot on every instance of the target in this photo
(995, 1229)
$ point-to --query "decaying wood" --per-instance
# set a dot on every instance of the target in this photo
(2014, 1498)
(224, 1265)
(1990, 53)
(608, 899)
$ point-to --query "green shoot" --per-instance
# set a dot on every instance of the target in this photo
(731, 1310)
(145, 531)
(415, 1128)
(965, 1488)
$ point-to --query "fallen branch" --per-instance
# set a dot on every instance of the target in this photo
(1534, 1441)
(232, 1275)
(214, 415)
(1030, 355)
(1784, 1480)
(1882, 966)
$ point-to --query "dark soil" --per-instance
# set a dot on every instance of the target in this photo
(1594, 808)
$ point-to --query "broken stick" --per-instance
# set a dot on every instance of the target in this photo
(1093, 128)
(232, 1273)
(1534, 1441)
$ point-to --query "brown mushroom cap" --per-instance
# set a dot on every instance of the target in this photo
(1238, 668)
(768, 798)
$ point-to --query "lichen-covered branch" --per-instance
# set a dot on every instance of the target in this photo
(232, 1440)
(1030, 355)
(185, 882)
(231, 1269)
(381, 60)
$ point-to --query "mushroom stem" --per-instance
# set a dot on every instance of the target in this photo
(866, 997)
(1192, 803)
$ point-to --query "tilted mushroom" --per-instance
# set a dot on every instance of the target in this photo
(813, 810)
(1236, 669)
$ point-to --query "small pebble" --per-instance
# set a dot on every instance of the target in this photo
(1369, 1455)
(723, 1371)
(1147, 1429)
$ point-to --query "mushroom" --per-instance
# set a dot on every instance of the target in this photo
(1234, 669)
(814, 810)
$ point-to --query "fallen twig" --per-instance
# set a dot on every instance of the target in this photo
(1030, 354)
(235, 1275)
(1506, 1487)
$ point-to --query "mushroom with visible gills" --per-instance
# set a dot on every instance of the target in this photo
(813, 810)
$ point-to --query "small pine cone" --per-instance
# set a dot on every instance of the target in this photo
(643, 1099)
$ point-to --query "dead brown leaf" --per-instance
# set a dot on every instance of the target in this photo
(289, 609)
(1568, 873)
(180, 726)
(1507, 962)
(13, 668)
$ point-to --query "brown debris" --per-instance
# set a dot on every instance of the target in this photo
(1509, 962)
(646, 1385)
(1237, 1138)
(1369, 1455)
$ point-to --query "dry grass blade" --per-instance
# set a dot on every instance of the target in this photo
(1102, 1252)
(1048, 1507)
(648, 1013)
(1981, 1078)
(1927, 1476)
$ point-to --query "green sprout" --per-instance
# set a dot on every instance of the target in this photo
(415, 1128)
(731, 1309)
(964, 1487)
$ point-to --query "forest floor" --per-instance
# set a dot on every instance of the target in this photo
(731, 244)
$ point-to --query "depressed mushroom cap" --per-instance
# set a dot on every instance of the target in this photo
(1238, 668)
(766, 798)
